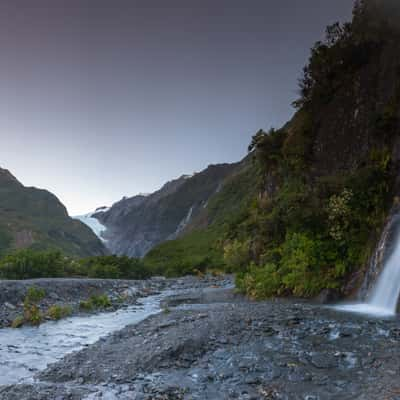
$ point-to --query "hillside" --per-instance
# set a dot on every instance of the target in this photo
(322, 186)
(34, 218)
(136, 224)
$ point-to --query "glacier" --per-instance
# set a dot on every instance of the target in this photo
(93, 223)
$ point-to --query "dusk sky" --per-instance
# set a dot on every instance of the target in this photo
(101, 99)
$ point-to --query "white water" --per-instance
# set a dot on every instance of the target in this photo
(28, 350)
(385, 294)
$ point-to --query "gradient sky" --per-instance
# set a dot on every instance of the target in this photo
(101, 99)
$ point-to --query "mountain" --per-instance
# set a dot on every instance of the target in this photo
(303, 213)
(35, 218)
(135, 225)
(312, 205)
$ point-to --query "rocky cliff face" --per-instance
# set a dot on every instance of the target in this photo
(35, 218)
(135, 225)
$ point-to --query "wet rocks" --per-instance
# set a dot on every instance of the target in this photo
(218, 346)
(70, 292)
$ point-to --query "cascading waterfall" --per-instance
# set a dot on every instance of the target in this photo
(384, 295)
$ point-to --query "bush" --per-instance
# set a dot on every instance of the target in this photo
(237, 255)
(34, 294)
(95, 302)
(260, 282)
(114, 267)
(32, 314)
(100, 301)
(57, 312)
(29, 264)
(86, 305)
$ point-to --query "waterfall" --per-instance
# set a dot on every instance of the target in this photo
(383, 296)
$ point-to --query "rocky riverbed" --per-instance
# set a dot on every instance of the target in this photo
(209, 343)
(71, 292)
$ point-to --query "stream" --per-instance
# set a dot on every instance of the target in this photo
(28, 350)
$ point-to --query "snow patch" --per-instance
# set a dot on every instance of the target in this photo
(101, 209)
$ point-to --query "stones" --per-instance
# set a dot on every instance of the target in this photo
(9, 306)
(220, 347)
(130, 292)
(324, 361)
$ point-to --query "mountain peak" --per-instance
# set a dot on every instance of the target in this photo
(7, 176)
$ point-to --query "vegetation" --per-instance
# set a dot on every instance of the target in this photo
(25, 264)
(95, 302)
(35, 219)
(310, 230)
(32, 313)
(113, 267)
(28, 264)
(201, 248)
(191, 254)
(57, 312)
(34, 295)
(18, 322)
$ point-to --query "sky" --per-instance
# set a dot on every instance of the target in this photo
(102, 99)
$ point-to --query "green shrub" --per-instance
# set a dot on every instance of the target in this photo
(237, 254)
(29, 264)
(95, 302)
(32, 314)
(34, 294)
(114, 267)
(57, 312)
(260, 282)
(86, 305)
(100, 301)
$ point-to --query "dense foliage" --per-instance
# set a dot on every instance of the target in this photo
(309, 230)
(27, 264)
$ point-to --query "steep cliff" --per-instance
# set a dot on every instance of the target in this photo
(330, 176)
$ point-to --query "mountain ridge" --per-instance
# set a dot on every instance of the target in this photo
(136, 224)
(35, 218)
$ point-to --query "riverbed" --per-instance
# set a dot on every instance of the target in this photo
(210, 343)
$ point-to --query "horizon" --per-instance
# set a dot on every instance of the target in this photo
(101, 102)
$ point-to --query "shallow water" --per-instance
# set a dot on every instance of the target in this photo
(28, 350)
(366, 308)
